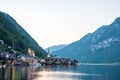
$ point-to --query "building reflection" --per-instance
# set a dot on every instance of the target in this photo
(82, 72)
(17, 73)
(50, 72)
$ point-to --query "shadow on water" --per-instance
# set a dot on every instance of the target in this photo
(81, 72)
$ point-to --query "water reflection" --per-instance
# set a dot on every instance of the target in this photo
(17, 73)
(60, 73)
(82, 72)
(52, 75)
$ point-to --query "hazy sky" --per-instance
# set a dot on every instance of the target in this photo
(52, 22)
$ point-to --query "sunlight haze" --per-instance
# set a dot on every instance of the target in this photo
(53, 22)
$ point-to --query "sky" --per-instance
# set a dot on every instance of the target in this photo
(54, 22)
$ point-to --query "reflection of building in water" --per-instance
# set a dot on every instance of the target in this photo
(8, 73)
(18, 73)
(47, 68)
(15, 74)
(31, 70)
(12, 73)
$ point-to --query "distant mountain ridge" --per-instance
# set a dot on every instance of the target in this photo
(13, 30)
(55, 48)
(103, 45)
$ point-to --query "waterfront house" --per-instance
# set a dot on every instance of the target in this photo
(28, 58)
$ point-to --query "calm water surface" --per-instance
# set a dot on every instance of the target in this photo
(81, 72)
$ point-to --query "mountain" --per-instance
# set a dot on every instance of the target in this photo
(103, 45)
(55, 48)
(11, 32)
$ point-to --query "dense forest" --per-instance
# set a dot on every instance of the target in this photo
(12, 38)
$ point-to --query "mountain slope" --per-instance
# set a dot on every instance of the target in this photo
(101, 46)
(11, 31)
(55, 48)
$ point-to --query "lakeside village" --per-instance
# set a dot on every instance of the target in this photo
(29, 59)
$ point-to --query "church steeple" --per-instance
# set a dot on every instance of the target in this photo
(48, 53)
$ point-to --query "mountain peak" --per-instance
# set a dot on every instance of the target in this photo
(100, 46)
(117, 20)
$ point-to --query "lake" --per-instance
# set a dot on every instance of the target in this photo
(80, 72)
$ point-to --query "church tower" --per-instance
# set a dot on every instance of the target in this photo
(48, 53)
(29, 51)
(33, 53)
